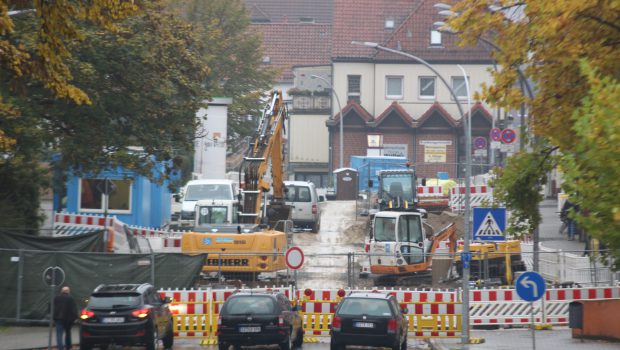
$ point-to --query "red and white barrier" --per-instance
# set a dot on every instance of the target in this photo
(430, 191)
(478, 195)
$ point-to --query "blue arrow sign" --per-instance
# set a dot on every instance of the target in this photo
(530, 286)
(489, 223)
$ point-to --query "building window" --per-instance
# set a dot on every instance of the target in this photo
(435, 38)
(458, 85)
(389, 23)
(427, 87)
(354, 88)
(93, 198)
(393, 87)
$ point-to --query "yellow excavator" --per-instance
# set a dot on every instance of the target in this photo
(258, 241)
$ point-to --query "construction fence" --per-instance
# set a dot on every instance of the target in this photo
(431, 313)
(25, 294)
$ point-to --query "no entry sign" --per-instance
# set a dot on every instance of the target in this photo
(294, 258)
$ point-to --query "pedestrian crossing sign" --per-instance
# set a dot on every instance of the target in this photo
(489, 223)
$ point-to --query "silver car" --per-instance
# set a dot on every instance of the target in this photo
(304, 202)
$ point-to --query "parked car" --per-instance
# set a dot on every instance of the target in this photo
(126, 314)
(369, 319)
(304, 202)
(259, 318)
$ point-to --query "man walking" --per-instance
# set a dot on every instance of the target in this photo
(65, 314)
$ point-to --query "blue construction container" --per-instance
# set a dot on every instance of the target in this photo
(370, 166)
(134, 199)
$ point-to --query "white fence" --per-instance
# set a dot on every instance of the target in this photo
(562, 267)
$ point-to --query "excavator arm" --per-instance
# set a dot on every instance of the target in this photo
(266, 148)
(447, 233)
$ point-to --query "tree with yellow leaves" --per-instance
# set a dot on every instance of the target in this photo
(570, 50)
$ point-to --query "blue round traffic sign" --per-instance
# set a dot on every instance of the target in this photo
(480, 143)
(508, 136)
(495, 134)
(530, 286)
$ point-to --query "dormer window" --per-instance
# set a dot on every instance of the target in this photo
(389, 23)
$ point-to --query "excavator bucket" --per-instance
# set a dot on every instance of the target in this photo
(277, 212)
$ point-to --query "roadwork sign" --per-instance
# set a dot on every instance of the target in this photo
(489, 223)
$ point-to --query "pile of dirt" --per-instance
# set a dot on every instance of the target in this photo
(356, 232)
(439, 221)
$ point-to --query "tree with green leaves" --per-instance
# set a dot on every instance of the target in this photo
(41, 58)
(234, 54)
(571, 51)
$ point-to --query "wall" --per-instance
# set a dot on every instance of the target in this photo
(373, 85)
(308, 138)
(210, 145)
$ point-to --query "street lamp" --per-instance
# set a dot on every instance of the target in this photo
(341, 156)
(466, 255)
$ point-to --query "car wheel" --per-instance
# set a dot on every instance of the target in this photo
(151, 338)
(287, 344)
(168, 340)
(316, 227)
(299, 340)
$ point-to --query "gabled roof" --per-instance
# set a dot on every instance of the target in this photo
(291, 11)
(351, 106)
(436, 107)
(364, 20)
(398, 110)
(478, 109)
(294, 44)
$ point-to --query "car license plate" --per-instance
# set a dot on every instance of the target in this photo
(364, 325)
(249, 329)
(113, 320)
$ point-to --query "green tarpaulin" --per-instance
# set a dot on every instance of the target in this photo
(26, 296)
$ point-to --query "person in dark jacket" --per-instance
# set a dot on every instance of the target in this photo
(571, 225)
(65, 314)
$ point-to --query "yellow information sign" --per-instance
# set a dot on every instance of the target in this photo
(435, 153)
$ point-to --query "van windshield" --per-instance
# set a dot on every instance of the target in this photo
(208, 191)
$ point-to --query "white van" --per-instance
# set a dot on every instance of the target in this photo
(195, 190)
(304, 202)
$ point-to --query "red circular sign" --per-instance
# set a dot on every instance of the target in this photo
(496, 134)
(508, 136)
(294, 258)
(480, 143)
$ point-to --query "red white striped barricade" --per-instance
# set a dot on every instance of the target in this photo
(504, 307)
(430, 191)
(478, 196)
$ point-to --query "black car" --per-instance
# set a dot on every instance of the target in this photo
(369, 319)
(126, 314)
(259, 318)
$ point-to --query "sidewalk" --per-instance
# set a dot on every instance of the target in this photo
(35, 337)
(549, 227)
(521, 338)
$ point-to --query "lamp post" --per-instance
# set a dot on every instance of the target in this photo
(341, 148)
(465, 276)
(524, 84)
